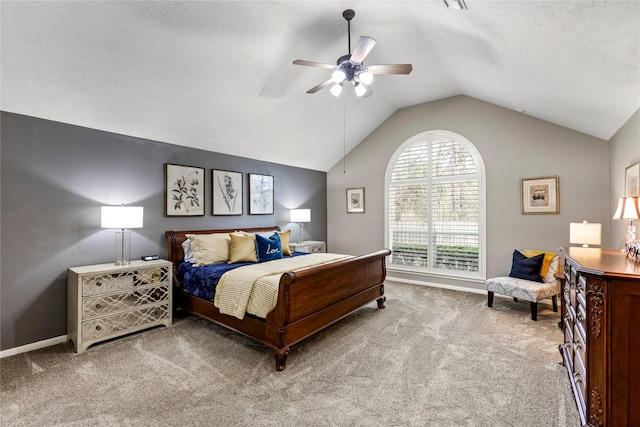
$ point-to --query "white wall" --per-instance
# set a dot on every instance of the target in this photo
(513, 146)
(624, 150)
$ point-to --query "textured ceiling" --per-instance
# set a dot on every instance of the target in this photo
(219, 75)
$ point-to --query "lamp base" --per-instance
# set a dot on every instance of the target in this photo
(123, 247)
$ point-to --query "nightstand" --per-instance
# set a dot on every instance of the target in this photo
(106, 301)
(309, 246)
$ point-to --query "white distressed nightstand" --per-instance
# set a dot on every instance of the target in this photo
(309, 246)
(106, 301)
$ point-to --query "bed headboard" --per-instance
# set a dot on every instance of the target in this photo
(176, 238)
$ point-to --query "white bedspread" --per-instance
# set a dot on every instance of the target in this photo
(253, 288)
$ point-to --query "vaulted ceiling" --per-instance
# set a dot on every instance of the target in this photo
(219, 75)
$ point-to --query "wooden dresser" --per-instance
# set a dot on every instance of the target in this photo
(601, 322)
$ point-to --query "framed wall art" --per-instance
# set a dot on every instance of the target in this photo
(183, 190)
(355, 200)
(226, 192)
(632, 180)
(260, 194)
(540, 195)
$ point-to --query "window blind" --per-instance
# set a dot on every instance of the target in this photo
(434, 207)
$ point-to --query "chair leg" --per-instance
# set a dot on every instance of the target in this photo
(554, 300)
(489, 299)
(534, 310)
(515, 299)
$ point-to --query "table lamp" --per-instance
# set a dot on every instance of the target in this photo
(301, 216)
(122, 217)
(628, 209)
(585, 233)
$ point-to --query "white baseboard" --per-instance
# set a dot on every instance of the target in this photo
(459, 288)
(33, 346)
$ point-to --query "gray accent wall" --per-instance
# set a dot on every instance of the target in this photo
(513, 146)
(56, 176)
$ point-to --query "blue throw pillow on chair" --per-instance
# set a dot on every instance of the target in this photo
(268, 248)
(527, 268)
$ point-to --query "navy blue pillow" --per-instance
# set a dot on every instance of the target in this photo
(269, 248)
(527, 268)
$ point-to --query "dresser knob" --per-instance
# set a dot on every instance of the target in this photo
(98, 283)
(98, 328)
(98, 306)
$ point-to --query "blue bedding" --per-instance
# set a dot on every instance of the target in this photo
(202, 281)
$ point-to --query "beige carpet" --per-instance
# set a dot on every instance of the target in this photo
(433, 357)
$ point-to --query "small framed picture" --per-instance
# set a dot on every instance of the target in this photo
(632, 180)
(260, 194)
(183, 190)
(355, 200)
(227, 192)
(540, 195)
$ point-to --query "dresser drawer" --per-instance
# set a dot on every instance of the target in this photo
(580, 374)
(101, 305)
(112, 282)
(104, 327)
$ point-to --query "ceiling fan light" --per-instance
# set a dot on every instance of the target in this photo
(456, 4)
(365, 77)
(336, 90)
(360, 89)
(338, 76)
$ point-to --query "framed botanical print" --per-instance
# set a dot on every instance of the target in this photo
(183, 190)
(355, 200)
(227, 192)
(540, 195)
(632, 180)
(260, 194)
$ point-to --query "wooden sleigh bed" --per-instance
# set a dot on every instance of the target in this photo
(308, 300)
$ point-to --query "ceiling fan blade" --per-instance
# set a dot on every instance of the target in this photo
(362, 49)
(390, 69)
(320, 86)
(312, 64)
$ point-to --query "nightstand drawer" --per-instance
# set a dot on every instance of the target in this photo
(100, 284)
(104, 327)
(106, 304)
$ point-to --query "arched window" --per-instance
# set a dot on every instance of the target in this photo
(435, 200)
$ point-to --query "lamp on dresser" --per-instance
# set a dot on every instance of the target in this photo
(122, 217)
(301, 216)
(628, 209)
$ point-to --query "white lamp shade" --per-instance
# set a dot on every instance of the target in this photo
(121, 217)
(336, 90)
(300, 215)
(627, 208)
(584, 233)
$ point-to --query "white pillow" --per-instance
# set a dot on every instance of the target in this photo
(210, 248)
(188, 251)
(553, 269)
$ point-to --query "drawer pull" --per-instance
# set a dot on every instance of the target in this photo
(98, 328)
(98, 306)
(98, 283)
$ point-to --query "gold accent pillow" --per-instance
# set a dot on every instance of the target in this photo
(284, 240)
(242, 248)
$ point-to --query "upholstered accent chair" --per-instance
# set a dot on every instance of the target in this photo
(532, 278)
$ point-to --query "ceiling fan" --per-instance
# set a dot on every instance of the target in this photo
(350, 67)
